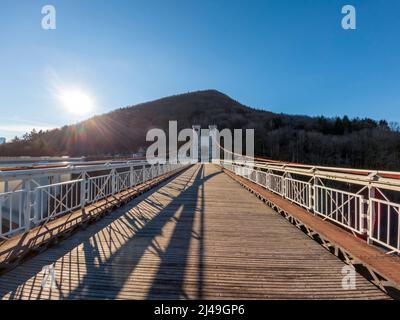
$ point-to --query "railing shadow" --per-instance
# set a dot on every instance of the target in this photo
(113, 249)
(169, 279)
(63, 251)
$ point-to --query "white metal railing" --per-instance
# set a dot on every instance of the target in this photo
(38, 202)
(361, 212)
(99, 187)
(56, 199)
(384, 227)
(122, 181)
(298, 192)
(11, 204)
(275, 183)
(261, 178)
(342, 207)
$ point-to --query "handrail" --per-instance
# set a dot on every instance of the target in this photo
(363, 209)
(35, 203)
(29, 173)
(375, 178)
(59, 184)
(381, 180)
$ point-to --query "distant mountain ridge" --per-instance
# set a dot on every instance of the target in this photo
(340, 141)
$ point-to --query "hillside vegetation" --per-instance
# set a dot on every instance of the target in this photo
(315, 140)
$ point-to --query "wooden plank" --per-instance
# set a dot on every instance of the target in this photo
(383, 264)
(199, 236)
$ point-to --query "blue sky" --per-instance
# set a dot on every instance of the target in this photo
(285, 56)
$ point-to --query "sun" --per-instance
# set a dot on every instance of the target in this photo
(76, 102)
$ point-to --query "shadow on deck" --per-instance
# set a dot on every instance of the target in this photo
(108, 265)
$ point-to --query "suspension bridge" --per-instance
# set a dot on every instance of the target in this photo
(225, 230)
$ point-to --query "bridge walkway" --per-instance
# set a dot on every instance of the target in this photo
(197, 236)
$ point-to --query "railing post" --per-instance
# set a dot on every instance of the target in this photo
(284, 185)
(131, 176)
(37, 214)
(26, 208)
(113, 181)
(363, 217)
(312, 194)
(27, 205)
(370, 213)
(144, 174)
(83, 193)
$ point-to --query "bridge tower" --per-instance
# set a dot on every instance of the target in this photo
(206, 149)
(213, 148)
(196, 140)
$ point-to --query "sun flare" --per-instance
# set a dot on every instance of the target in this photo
(76, 102)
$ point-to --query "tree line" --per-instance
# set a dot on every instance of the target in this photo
(340, 141)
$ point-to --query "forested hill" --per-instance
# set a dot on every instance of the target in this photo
(362, 143)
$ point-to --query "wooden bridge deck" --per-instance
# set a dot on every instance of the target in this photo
(198, 236)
